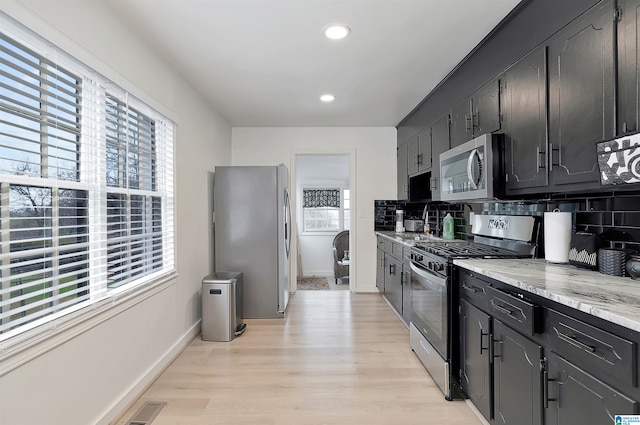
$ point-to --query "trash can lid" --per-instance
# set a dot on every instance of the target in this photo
(221, 277)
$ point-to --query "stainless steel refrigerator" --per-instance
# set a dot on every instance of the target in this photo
(252, 234)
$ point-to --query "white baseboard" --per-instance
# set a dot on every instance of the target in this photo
(317, 273)
(137, 388)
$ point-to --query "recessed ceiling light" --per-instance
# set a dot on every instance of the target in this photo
(337, 31)
(327, 98)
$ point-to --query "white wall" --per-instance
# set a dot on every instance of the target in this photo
(373, 175)
(91, 378)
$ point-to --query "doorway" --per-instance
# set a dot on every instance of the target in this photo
(323, 209)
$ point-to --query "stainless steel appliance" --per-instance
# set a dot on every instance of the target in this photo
(473, 170)
(414, 225)
(434, 323)
(252, 234)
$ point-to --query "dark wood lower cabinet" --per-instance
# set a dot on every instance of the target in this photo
(501, 370)
(517, 371)
(574, 370)
(380, 272)
(475, 362)
(393, 282)
(575, 397)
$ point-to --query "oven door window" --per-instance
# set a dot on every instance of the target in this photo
(429, 302)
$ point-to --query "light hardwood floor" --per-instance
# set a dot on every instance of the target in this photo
(337, 358)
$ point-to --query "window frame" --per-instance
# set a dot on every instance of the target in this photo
(341, 210)
(103, 302)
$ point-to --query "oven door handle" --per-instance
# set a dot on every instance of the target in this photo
(432, 280)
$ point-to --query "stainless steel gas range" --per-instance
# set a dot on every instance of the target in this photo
(434, 327)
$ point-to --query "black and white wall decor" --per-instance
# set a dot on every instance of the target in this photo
(319, 198)
(619, 160)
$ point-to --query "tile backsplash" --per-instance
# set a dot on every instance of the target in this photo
(385, 215)
(616, 218)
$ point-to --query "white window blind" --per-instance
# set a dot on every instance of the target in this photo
(86, 186)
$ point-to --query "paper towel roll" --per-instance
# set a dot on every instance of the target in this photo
(557, 236)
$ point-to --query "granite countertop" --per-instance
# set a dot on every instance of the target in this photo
(408, 238)
(612, 298)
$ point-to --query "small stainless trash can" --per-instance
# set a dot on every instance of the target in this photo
(222, 306)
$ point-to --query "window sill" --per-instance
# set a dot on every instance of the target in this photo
(24, 347)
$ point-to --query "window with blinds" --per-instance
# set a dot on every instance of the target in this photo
(86, 186)
(324, 210)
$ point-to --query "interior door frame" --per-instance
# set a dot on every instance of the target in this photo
(353, 249)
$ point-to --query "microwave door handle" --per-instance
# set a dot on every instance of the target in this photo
(470, 176)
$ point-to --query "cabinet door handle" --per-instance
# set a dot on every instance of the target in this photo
(392, 269)
(419, 159)
(551, 152)
(482, 347)
(492, 352)
(545, 389)
(540, 155)
(468, 120)
(576, 343)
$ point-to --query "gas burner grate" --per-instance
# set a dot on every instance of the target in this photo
(466, 250)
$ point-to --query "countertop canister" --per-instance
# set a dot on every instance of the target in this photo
(557, 236)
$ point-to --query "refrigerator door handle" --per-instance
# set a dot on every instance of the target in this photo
(287, 223)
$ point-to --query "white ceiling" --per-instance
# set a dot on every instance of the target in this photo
(266, 62)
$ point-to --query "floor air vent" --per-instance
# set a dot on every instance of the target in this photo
(147, 413)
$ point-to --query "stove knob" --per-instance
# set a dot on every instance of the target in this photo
(439, 266)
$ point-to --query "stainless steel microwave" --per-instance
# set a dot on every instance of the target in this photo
(473, 170)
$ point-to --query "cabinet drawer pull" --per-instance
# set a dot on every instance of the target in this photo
(470, 288)
(502, 309)
(576, 343)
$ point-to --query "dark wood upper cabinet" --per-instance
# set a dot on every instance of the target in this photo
(461, 125)
(402, 170)
(581, 97)
(628, 66)
(419, 151)
(524, 121)
(480, 114)
(439, 144)
(485, 109)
